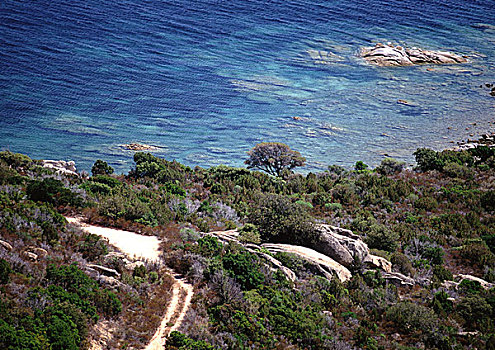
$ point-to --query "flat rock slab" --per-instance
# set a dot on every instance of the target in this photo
(390, 55)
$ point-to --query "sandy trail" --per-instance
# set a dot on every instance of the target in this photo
(147, 247)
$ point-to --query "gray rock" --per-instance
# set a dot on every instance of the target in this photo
(104, 270)
(30, 256)
(341, 245)
(6, 245)
(38, 251)
(61, 166)
(398, 279)
(389, 55)
(484, 284)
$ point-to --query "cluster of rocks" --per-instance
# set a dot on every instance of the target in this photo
(484, 140)
(31, 252)
(134, 146)
(390, 55)
(61, 166)
(491, 87)
(333, 254)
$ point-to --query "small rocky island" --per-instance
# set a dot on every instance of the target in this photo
(390, 55)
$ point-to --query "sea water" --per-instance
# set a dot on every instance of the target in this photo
(204, 81)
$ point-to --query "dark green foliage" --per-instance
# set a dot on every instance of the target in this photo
(174, 189)
(93, 247)
(360, 166)
(209, 246)
(244, 267)
(470, 287)
(488, 200)
(441, 304)
(280, 220)
(390, 166)
(15, 160)
(442, 274)
(160, 169)
(51, 191)
(249, 234)
(475, 310)
(179, 341)
(402, 263)
(96, 187)
(5, 271)
(428, 159)
(434, 255)
(107, 180)
(410, 317)
(101, 167)
(139, 271)
(274, 158)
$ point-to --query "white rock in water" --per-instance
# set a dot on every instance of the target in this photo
(382, 55)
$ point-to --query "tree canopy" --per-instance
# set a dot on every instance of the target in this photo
(274, 158)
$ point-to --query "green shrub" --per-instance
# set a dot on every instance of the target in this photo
(442, 274)
(360, 166)
(96, 187)
(457, 170)
(5, 271)
(107, 180)
(93, 247)
(390, 166)
(410, 317)
(179, 341)
(402, 263)
(249, 234)
(209, 246)
(475, 310)
(51, 191)
(174, 189)
(280, 220)
(380, 237)
(101, 167)
(333, 206)
(426, 203)
(244, 267)
(428, 159)
(434, 255)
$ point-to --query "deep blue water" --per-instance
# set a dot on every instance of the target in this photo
(207, 80)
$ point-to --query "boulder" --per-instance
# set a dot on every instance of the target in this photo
(377, 261)
(104, 270)
(61, 166)
(6, 245)
(134, 146)
(398, 279)
(389, 55)
(38, 251)
(341, 245)
(326, 265)
(30, 256)
(484, 284)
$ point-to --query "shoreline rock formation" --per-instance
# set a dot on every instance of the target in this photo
(390, 55)
(61, 166)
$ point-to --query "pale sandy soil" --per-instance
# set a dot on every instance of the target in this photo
(147, 247)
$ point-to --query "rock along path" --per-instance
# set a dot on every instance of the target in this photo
(147, 247)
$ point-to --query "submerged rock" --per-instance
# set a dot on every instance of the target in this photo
(138, 147)
(389, 55)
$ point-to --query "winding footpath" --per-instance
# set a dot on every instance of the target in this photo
(137, 246)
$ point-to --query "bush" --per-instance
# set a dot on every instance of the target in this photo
(107, 180)
(249, 234)
(428, 159)
(209, 246)
(5, 271)
(380, 237)
(457, 170)
(179, 341)
(93, 246)
(410, 317)
(360, 166)
(280, 220)
(101, 167)
(402, 263)
(390, 166)
(474, 310)
(51, 191)
(244, 267)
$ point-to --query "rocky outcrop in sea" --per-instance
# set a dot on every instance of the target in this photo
(390, 55)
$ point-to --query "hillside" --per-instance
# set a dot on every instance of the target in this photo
(385, 258)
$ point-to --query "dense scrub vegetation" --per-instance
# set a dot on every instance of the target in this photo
(432, 223)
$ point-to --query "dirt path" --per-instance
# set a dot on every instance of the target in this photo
(147, 247)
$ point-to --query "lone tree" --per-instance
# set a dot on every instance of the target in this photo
(274, 158)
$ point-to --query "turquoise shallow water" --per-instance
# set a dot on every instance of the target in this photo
(207, 80)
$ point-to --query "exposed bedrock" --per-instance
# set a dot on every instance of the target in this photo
(390, 55)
